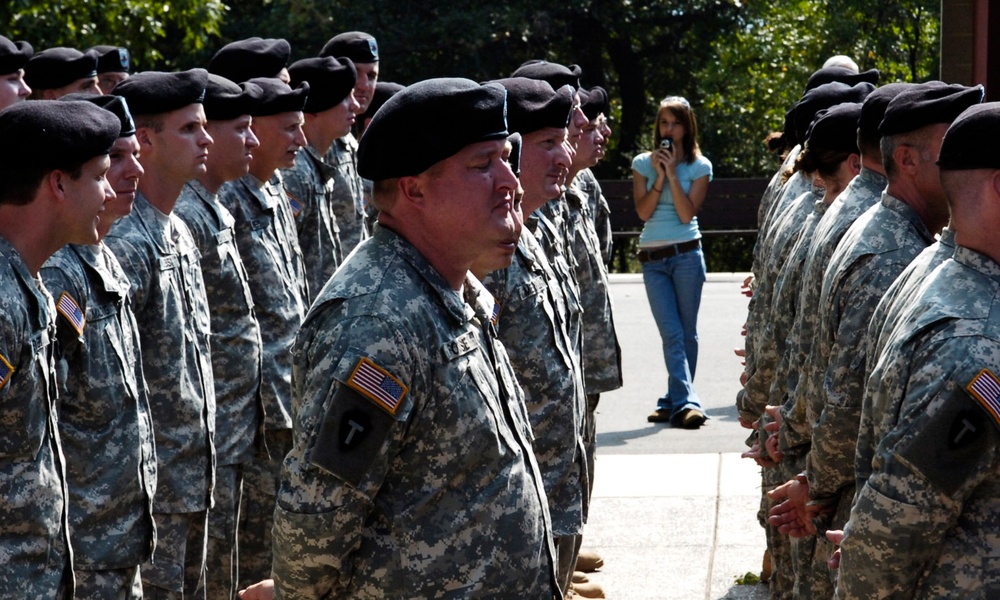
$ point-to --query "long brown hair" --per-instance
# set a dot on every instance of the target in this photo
(680, 108)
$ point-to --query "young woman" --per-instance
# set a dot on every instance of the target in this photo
(669, 186)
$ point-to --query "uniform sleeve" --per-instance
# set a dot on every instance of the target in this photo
(346, 434)
(69, 323)
(942, 448)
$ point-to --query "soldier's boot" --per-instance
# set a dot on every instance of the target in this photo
(589, 561)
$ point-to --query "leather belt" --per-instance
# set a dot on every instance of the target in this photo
(645, 256)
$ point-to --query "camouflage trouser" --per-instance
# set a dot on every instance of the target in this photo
(260, 491)
(223, 543)
(178, 566)
(567, 549)
(112, 584)
(782, 571)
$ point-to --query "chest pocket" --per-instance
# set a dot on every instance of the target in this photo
(24, 400)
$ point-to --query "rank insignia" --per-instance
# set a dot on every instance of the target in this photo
(295, 204)
(6, 370)
(985, 388)
(68, 308)
(376, 384)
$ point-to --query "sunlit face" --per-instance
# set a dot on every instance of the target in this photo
(123, 177)
(671, 127)
(180, 148)
(341, 117)
(85, 85)
(13, 89)
(591, 147)
(577, 121)
(280, 137)
(85, 198)
(502, 253)
(108, 81)
(233, 149)
(364, 88)
(544, 164)
(469, 200)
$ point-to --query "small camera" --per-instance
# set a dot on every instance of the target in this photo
(667, 143)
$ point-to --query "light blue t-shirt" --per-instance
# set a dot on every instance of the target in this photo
(665, 227)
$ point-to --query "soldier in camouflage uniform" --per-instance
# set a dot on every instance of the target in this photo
(265, 235)
(412, 473)
(329, 113)
(104, 416)
(236, 340)
(160, 258)
(925, 522)
(539, 320)
(42, 208)
(362, 49)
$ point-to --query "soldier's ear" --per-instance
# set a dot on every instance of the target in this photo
(411, 189)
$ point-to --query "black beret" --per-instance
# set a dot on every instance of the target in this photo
(843, 75)
(477, 113)
(555, 74)
(594, 102)
(224, 100)
(355, 45)
(383, 91)
(253, 57)
(970, 142)
(54, 134)
(155, 92)
(330, 80)
(13, 55)
(826, 96)
(873, 108)
(835, 129)
(55, 67)
(532, 104)
(111, 59)
(115, 104)
(277, 97)
(515, 153)
(928, 104)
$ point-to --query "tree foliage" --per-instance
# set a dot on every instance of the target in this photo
(740, 64)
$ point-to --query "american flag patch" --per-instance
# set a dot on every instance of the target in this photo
(68, 308)
(294, 203)
(496, 313)
(985, 388)
(6, 370)
(378, 385)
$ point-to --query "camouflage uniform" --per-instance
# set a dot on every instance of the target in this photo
(312, 194)
(236, 363)
(532, 326)
(104, 421)
(599, 211)
(412, 474)
(160, 259)
(348, 198)
(925, 523)
(34, 531)
(266, 238)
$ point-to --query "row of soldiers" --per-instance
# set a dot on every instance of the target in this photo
(871, 349)
(170, 396)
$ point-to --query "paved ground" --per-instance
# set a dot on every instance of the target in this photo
(674, 511)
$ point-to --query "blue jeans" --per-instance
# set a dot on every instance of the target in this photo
(673, 286)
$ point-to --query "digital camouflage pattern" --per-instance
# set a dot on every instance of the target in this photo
(598, 210)
(104, 414)
(863, 192)
(873, 252)
(34, 531)
(236, 337)
(602, 359)
(348, 193)
(268, 244)
(313, 197)
(423, 485)
(926, 522)
(160, 259)
(532, 326)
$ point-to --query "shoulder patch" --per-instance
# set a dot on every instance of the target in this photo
(294, 203)
(985, 388)
(68, 308)
(496, 313)
(6, 370)
(352, 436)
(378, 385)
